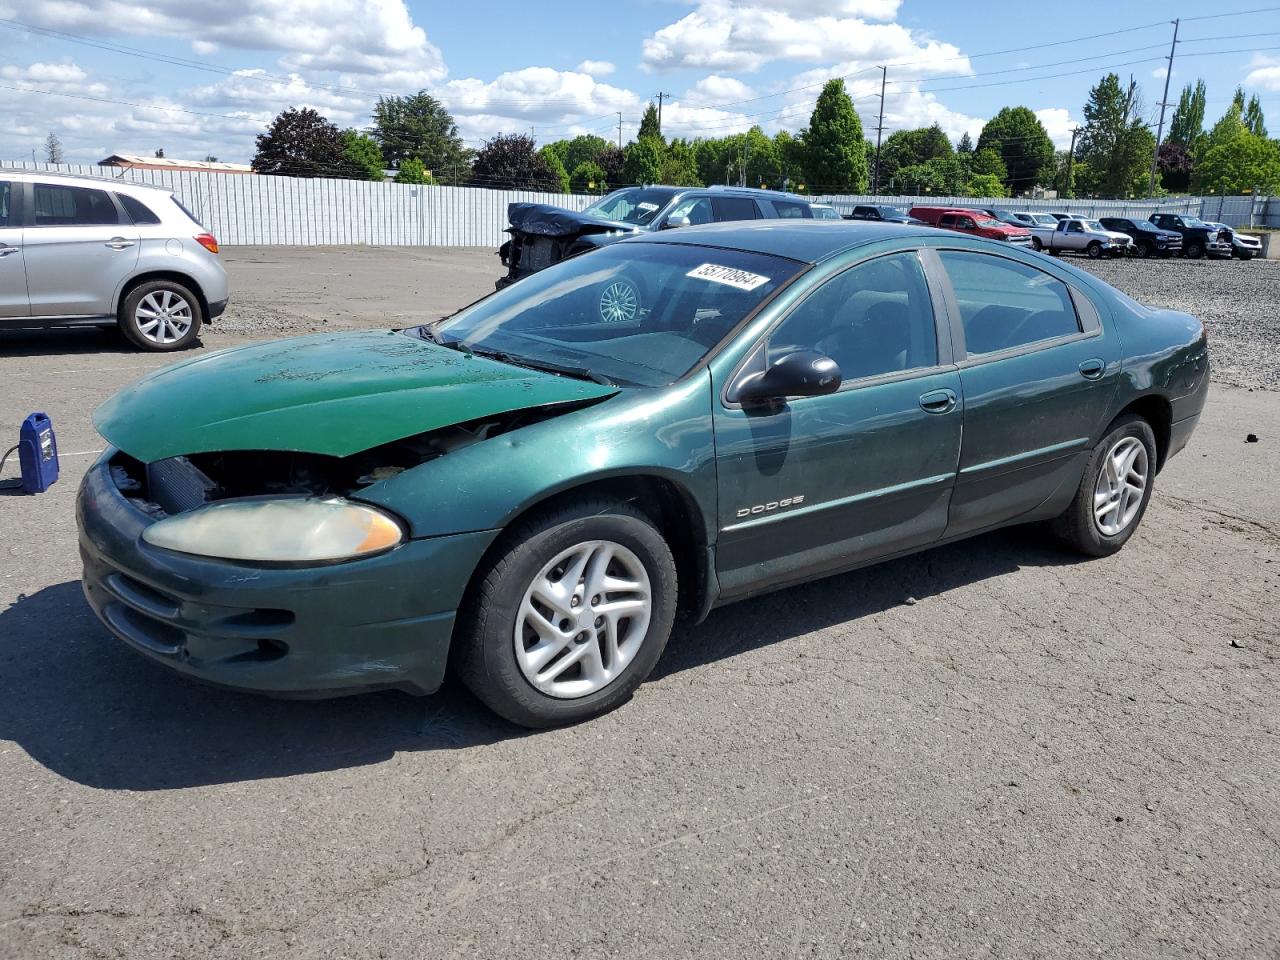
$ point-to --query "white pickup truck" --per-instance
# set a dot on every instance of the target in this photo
(1081, 236)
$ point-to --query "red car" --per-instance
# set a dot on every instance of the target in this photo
(973, 222)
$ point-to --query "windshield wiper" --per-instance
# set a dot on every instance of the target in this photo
(564, 369)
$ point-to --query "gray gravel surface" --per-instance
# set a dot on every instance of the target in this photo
(1239, 302)
(1038, 758)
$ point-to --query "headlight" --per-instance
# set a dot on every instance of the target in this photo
(278, 531)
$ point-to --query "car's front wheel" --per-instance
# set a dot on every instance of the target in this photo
(1036, 244)
(1245, 255)
(1114, 491)
(160, 315)
(569, 615)
(1195, 250)
(1094, 250)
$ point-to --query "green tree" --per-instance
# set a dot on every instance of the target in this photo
(751, 159)
(1253, 118)
(643, 161)
(985, 185)
(649, 126)
(556, 166)
(1188, 117)
(987, 162)
(419, 126)
(708, 155)
(413, 171)
(835, 152)
(362, 156)
(789, 150)
(611, 160)
(301, 143)
(679, 165)
(1115, 143)
(1023, 144)
(966, 144)
(588, 177)
(583, 148)
(510, 162)
(1241, 164)
(921, 178)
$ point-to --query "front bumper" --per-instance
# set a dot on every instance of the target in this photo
(384, 622)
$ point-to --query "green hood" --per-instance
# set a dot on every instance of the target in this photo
(333, 394)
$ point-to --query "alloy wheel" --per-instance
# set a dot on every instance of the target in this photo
(163, 317)
(1122, 482)
(619, 302)
(583, 619)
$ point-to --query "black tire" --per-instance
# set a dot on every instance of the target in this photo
(1055, 253)
(1036, 244)
(132, 324)
(1075, 527)
(1194, 249)
(1166, 254)
(1246, 255)
(484, 655)
(1093, 250)
(1145, 249)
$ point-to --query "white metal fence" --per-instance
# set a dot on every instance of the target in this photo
(243, 209)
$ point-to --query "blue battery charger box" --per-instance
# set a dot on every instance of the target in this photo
(38, 453)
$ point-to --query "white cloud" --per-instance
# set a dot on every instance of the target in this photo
(204, 48)
(596, 68)
(352, 36)
(713, 90)
(1058, 124)
(257, 93)
(1264, 72)
(722, 35)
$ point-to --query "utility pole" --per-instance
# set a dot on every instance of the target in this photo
(875, 181)
(619, 129)
(1164, 102)
(1071, 157)
(661, 96)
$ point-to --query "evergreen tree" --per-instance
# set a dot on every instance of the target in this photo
(1188, 117)
(1115, 143)
(966, 144)
(1253, 118)
(836, 158)
(1017, 134)
(420, 126)
(649, 126)
(642, 162)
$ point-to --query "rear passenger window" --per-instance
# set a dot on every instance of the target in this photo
(1005, 304)
(138, 211)
(4, 204)
(874, 318)
(790, 210)
(59, 206)
(735, 208)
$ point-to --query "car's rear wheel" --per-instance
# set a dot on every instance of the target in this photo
(1195, 250)
(1114, 491)
(1093, 250)
(160, 315)
(1245, 255)
(569, 615)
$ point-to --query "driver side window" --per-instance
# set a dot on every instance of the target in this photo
(874, 318)
(697, 209)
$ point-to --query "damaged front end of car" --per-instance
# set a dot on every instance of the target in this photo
(542, 235)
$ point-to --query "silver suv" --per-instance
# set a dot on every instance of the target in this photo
(84, 251)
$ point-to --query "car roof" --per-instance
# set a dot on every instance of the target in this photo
(80, 180)
(809, 241)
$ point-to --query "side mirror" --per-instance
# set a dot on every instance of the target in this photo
(677, 220)
(804, 373)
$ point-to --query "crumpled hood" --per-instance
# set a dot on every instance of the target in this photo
(334, 394)
(544, 220)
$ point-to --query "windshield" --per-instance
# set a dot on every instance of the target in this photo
(638, 314)
(988, 222)
(637, 205)
(1194, 222)
(824, 213)
(1044, 220)
(890, 212)
(1095, 226)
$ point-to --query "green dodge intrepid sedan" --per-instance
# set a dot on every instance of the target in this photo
(532, 489)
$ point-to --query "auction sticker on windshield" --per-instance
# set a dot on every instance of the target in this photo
(646, 206)
(742, 279)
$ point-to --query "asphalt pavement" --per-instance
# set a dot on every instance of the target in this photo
(992, 749)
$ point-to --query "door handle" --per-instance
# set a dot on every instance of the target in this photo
(1092, 369)
(5, 251)
(119, 243)
(938, 401)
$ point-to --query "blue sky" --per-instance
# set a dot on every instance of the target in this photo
(118, 76)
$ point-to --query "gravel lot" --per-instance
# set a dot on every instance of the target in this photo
(987, 750)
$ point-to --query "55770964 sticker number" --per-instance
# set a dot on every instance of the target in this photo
(730, 277)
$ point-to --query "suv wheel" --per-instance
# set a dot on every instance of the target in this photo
(569, 616)
(1195, 249)
(1145, 249)
(160, 315)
